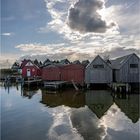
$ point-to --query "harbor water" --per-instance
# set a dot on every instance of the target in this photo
(38, 114)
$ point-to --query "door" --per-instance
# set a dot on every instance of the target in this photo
(28, 72)
(114, 75)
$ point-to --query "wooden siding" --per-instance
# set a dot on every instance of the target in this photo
(127, 74)
(51, 73)
(34, 71)
(98, 75)
(75, 72)
(68, 73)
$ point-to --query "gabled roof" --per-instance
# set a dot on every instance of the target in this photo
(85, 62)
(65, 61)
(36, 62)
(15, 66)
(76, 62)
(46, 61)
(53, 65)
(119, 62)
(24, 62)
(101, 59)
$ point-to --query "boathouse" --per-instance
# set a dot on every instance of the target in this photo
(66, 72)
(126, 69)
(73, 72)
(51, 72)
(29, 69)
(98, 72)
(15, 66)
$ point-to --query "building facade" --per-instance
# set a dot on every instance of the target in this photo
(29, 69)
(98, 72)
(126, 69)
(66, 72)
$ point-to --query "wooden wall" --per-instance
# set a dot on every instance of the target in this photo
(98, 75)
(127, 74)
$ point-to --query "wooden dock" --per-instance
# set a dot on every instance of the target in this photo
(120, 87)
(30, 82)
(54, 84)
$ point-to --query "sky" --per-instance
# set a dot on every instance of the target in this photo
(73, 29)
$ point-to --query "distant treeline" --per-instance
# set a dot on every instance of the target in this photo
(6, 72)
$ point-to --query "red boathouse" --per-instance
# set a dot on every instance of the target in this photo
(29, 69)
(67, 72)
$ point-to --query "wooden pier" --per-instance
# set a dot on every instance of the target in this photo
(31, 82)
(120, 87)
(54, 84)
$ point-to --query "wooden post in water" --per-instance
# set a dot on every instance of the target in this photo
(88, 85)
(120, 89)
(76, 88)
(127, 88)
(115, 88)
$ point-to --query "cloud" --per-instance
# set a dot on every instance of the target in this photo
(84, 17)
(126, 18)
(36, 47)
(59, 22)
(87, 124)
(7, 34)
(6, 60)
(113, 45)
(53, 51)
(61, 128)
(119, 40)
(122, 127)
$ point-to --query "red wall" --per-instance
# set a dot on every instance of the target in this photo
(51, 73)
(75, 72)
(34, 71)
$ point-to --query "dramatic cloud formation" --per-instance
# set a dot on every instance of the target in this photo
(76, 17)
(78, 29)
(114, 45)
(84, 17)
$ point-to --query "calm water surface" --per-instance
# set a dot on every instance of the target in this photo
(37, 114)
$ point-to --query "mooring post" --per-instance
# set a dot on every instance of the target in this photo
(127, 88)
(120, 88)
(115, 88)
(88, 85)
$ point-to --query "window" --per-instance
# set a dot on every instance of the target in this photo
(133, 68)
(98, 66)
(133, 65)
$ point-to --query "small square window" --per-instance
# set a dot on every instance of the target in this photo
(133, 65)
(98, 66)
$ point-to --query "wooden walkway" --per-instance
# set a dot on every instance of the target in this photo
(32, 82)
(54, 84)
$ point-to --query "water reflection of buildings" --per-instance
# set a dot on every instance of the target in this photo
(68, 98)
(29, 92)
(88, 122)
(99, 101)
(129, 104)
